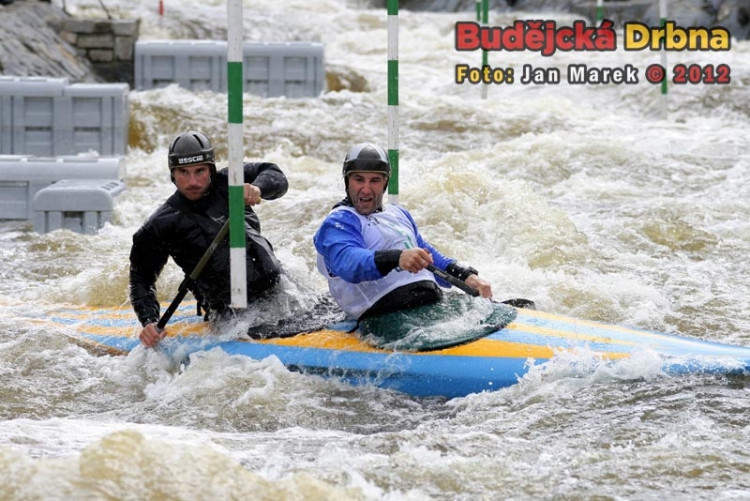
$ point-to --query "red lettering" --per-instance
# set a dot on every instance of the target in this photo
(466, 36)
(542, 36)
(584, 36)
(491, 38)
(513, 37)
(534, 39)
(565, 38)
(606, 39)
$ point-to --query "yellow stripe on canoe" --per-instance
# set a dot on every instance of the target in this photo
(547, 331)
(588, 323)
(338, 340)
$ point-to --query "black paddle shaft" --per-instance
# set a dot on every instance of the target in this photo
(183, 288)
(516, 302)
(453, 280)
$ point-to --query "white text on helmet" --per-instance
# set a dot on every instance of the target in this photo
(187, 160)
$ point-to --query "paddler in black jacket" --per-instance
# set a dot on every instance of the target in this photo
(186, 224)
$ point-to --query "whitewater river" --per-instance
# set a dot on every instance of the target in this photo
(612, 203)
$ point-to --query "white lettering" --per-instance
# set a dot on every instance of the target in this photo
(189, 160)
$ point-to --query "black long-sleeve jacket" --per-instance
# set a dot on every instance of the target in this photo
(184, 229)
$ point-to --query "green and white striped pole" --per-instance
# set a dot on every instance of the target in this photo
(662, 23)
(485, 56)
(237, 268)
(479, 20)
(599, 12)
(393, 99)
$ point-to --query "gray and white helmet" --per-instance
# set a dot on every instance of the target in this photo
(366, 157)
(190, 148)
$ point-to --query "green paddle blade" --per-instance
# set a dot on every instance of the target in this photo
(455, 319)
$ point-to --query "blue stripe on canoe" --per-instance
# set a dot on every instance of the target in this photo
(576, 326)
(415, 374)
(556, 342)
(667, 344)
(420, 374)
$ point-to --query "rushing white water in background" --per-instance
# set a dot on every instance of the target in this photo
(590, 200)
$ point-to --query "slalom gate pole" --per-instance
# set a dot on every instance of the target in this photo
(393, 99)
(485, 57)
(238, 271)
(662, 23)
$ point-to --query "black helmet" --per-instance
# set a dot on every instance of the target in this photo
(367, 157)
(190, 148)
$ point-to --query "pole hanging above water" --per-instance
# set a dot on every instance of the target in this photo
(238, 270)
(662, 23)
(485, 54)
(393, 99)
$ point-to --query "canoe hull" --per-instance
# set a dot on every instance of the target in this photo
(487, 364)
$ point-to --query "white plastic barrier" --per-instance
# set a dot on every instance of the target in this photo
(21, 177)
(98, 117)
(271, 69)
(32, 116)
(48, 117)
(192, 64)
(79, 205)
(291, 69)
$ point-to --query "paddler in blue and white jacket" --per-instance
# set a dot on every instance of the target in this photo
(372, 253)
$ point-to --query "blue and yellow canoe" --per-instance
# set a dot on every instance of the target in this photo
(492, 362)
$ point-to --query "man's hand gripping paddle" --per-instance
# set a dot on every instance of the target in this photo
(516, 302)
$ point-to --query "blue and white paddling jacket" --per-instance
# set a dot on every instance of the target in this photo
(347, 243)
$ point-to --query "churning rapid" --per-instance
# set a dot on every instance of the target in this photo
(607, 202)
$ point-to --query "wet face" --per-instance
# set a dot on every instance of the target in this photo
(192, 181)
(366, 190)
